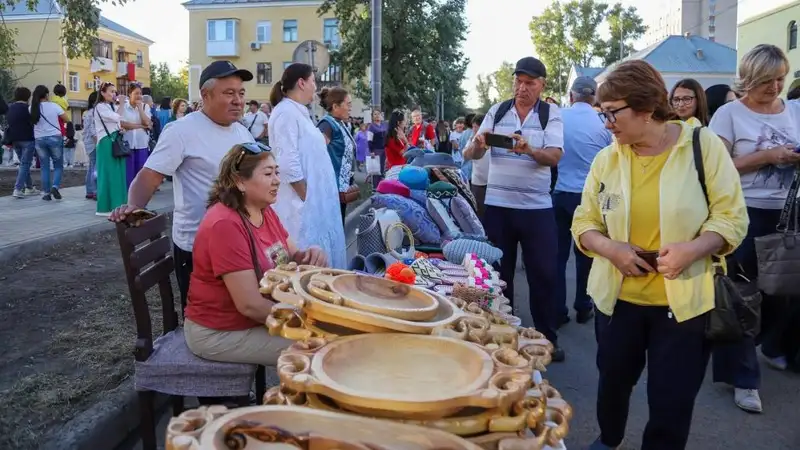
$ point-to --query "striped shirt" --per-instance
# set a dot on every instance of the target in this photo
(517, 181)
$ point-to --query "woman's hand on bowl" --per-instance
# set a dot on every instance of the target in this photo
(313, 256)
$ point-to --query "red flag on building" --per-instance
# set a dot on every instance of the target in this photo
(131, 72)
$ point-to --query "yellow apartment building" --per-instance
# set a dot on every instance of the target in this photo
(119, 55)
(777, 27)
(259, 36)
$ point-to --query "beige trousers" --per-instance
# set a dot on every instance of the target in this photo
(253, 346)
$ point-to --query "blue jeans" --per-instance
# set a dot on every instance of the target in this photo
(564, 204)
(91, 177)
(24, 151)
(51, 147)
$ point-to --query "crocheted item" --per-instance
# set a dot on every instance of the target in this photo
(439, 211)
(414, 177)
(401, 273)
(394, 187)
(453, 176)
(442, 190)
(457, 249)
(465, 217)
(474, 295)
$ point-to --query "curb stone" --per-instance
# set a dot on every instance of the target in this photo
(112, 421)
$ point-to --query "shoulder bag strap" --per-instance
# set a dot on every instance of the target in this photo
(250, 128)
(790, 206)
(253, 251)
(41, 116)
(697, 151)
(103, 122)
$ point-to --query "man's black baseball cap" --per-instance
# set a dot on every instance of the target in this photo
(223, 69)
(531, 66)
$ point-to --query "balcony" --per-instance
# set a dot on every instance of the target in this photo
(217, 49)
(100, 64)
(122, 69)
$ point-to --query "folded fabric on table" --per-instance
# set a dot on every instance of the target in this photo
(457, 249)
(394, 187)
(414, 177)
(413, 215)
(434, 160)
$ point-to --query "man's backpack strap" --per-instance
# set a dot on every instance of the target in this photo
(544, 113)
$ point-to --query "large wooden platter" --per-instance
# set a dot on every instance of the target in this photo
(377, 295)
(408, 376)
(290, 284)
(291, 427)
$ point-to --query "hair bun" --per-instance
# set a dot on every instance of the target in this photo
(323, 97)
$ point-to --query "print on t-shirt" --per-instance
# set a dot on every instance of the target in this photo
(770, 176)
(277, 254)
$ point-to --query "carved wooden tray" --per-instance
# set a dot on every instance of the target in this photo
(290, 285)
(526, 413)
(547, 435)
(404, 375)
(373, 294)
(291, 427)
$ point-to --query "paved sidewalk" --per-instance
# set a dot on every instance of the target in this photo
(32, 224)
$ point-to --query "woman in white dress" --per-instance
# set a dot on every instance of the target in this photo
(308, 200)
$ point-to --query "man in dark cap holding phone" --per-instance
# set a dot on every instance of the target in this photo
(526, 141)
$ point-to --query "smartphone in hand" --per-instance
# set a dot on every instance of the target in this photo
(651, 258)
(499, 141)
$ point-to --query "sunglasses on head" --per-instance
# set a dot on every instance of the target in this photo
(252, 148)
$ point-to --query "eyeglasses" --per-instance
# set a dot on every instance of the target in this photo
(611, 115)
(678, 101)
(252, 148)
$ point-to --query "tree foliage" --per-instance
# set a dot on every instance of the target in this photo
(567, 34)
(78, 29)
(164, 83)
(421, 51)
(485, 88)
(504, 81)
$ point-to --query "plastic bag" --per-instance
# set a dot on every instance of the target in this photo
(373, 165)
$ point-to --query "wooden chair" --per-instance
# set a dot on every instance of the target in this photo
(166, 365)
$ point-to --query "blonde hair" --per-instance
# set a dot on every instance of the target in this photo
(763, 63)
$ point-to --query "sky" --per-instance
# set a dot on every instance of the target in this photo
(498, 28)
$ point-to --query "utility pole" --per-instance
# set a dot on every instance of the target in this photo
(621, 39)
(377, 43)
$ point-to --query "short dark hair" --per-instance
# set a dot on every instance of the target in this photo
(238, 164)
(22, 94)
(641, 86)
(794, 94)
(60, 90)
(330, 96)
(291, 75)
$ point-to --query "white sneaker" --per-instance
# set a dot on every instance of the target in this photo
(748, 400)
(777, 363)
(18, 194)
(31, 191)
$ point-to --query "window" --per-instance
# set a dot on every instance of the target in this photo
(332, 76)
(792, 35)
(122, 85)
(139, 58)
(264, 73)
(264, 32)
(220, 30)
(330, 32)
(286, 64)
(290, 30)
(101, 49)
(74, 82)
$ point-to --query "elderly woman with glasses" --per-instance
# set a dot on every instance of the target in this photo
(645, 220)
(239, 239)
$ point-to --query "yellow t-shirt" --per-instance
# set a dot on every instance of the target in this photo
(645, 228)
(60, 101)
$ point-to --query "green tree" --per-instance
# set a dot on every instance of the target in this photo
(625, 26)
(165, 83)
(421, 50)
(484, 87)
(78, 29)
(583, 17)
(504, 81)
(551, 39)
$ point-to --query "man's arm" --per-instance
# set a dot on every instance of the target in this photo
(143, 187)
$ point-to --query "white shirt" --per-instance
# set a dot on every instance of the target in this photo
(190, 150)
(48, 120)
(104, 114)
(480, 168)
(255, 122)
(518, 181)
(138, 139)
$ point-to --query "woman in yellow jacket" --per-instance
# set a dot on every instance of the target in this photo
(645, 221)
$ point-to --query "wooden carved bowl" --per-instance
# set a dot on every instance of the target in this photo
(291, 427)
(403, 375)
(290, 284)
(377, 295)
(290, 323)
(527, 413)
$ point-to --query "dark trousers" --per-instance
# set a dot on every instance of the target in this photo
(343, 207)
(676, 355)
(737, 364)
(480, 198)
(535, 231)
(564, 204)
(183, 272)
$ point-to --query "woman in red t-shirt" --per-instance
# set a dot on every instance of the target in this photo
(396, 141)
(226, 313)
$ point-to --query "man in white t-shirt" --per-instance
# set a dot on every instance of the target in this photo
(190, 150)
(256, 121)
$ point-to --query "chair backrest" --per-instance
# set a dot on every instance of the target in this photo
(147, 256)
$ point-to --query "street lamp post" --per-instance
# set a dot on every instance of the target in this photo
(377, 20)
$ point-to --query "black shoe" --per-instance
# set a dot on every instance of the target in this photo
(56, 194)
(597, 445)
(558, 354)
(564, 320)
(46, 197)
(584, 316)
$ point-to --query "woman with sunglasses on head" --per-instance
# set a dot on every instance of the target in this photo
(112, 187)
(688, 100)
(239, 239)
(646, 222)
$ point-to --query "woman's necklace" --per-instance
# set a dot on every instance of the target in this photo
(651, 159)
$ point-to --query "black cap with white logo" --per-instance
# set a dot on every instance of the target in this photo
(223, 69)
